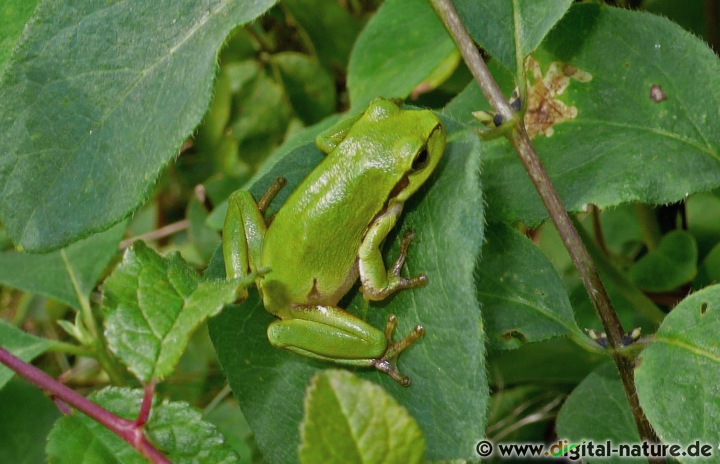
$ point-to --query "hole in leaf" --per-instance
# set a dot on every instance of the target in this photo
(703, 308)
(513, 334)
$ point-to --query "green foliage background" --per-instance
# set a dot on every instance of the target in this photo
(127, 120)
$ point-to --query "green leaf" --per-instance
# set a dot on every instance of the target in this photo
(623, 145)
(702, 212)
(214, 124)
(678, 373)
(553, 361)
(62, 274)
(598, 410)
(311, 88)
(96, 100)
(507, 29)
(330, 28)
(176, 429)
(27, 417)
(709, 270)
(633, 307)
(229, 420)
(336, 430)
(204, 238)
(152, 305)
(402, 32)
(21, 344)
(671, 264)
(446, 367)
(523, 298)
(13, 16)
(263, 117)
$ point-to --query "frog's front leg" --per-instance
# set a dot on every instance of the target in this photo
(377, 282)
(332, 334)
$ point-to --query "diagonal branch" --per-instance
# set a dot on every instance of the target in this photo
(128, 430)
(526, 152)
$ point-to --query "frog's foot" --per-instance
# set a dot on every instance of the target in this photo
(387, 363)
(395, 281)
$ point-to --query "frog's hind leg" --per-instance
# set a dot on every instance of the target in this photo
(332, 334)
(243, 235)
(388, 362)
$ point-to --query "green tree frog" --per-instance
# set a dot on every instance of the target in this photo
(329, 232)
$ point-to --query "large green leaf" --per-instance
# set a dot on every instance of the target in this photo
(175, 429)
(506, 29)
(581, 419)
(520, 306)
(28, 415)
(447, 366)
(678, 373)
(152, 305)
(336, 430)
(96, 100)
(62, 274)
(625, 142)
(21, 344)
(401, 46)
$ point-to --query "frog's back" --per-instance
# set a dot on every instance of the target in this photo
(312, 244)
(313, 241)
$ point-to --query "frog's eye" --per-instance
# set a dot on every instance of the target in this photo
(421, 159)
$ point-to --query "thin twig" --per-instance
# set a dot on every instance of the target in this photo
(521, 143)
(126, 429)
(157, 234)
(98, 343)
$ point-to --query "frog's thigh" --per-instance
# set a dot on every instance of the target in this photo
(329, 333)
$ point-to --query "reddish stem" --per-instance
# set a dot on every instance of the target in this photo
(126, 429)
(146, 404)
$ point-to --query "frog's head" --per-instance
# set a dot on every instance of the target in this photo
(418, 143)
